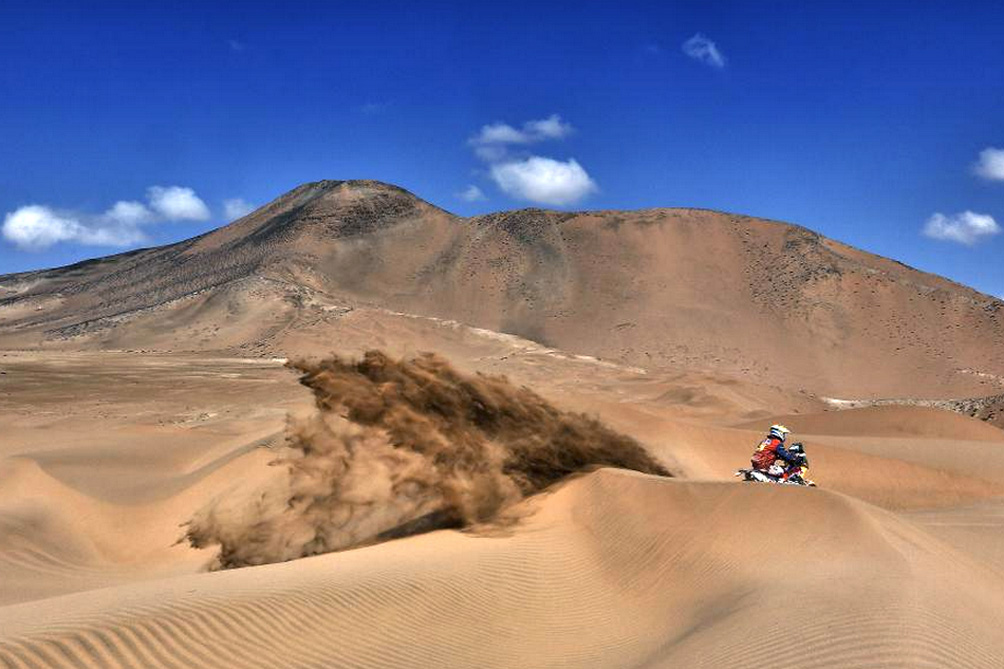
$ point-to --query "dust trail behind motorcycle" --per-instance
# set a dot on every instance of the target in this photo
(405, 446)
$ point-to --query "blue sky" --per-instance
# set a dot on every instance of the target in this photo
(127, 124)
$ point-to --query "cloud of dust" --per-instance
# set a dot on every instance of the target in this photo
(399, 447)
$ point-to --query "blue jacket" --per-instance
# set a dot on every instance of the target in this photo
(785, 454)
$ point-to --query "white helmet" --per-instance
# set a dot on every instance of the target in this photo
(779, 431)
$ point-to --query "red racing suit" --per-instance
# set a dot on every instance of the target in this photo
(769, 450)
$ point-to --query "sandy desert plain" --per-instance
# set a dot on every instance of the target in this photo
(143, 396)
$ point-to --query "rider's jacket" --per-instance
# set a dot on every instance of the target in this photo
(769, 450)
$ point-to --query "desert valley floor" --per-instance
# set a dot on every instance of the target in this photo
(893, 561)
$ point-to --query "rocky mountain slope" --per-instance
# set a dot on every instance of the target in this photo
(656, 289)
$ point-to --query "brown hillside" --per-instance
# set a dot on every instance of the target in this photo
(658, 288)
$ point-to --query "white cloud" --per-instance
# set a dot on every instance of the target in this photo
(702, 49)
(491, 153)
(176, 203)
(991, 164)
(499, 134)
(966, 228)
(35, 227)
(236, 45)
(551, 127)
(39, 226)
(543, 180)
(529, 177)
(129, 212)
(472, 194)
(235, 208)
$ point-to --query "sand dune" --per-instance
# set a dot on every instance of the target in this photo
(890, 421)
(57, 538)
(611, 570)
(105, 458)
(400, 447)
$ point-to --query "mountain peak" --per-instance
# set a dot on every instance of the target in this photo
(351, 188)
(330, 206)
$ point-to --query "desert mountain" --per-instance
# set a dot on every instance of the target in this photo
(655, 288)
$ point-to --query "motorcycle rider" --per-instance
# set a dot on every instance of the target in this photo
(771, 457)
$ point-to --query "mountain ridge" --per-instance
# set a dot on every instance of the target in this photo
(325, 185)
(652, 288)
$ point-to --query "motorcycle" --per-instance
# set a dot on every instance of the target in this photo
(781, 473)
(757, 476)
